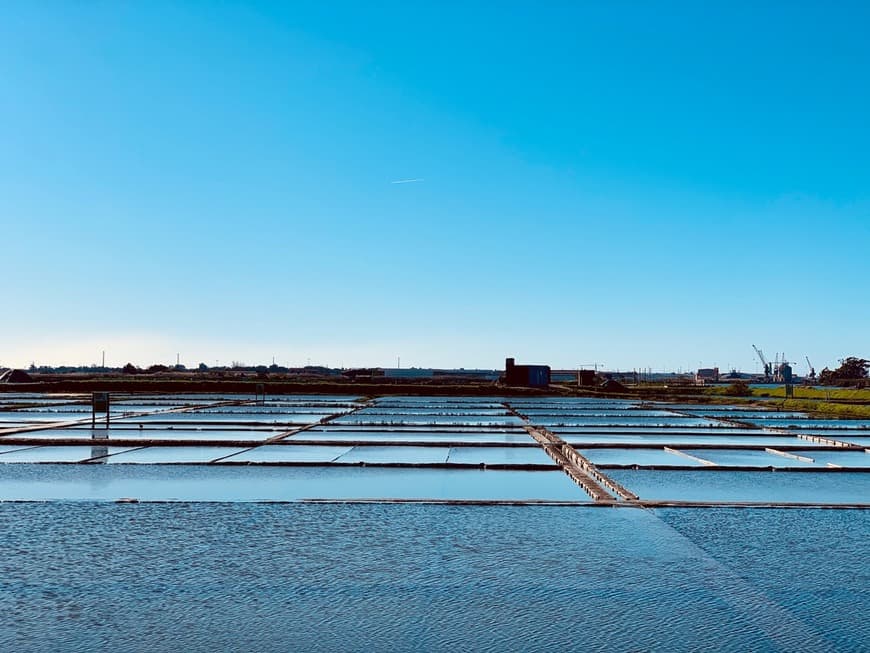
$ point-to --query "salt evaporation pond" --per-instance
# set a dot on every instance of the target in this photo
(220, 566)
(179, 482)
(658, 457)
(69, 454)
(678, 439)
(288, 454)
(415, 436)
(88, 434)
(499, 456)
(207, 577)
(736, 486)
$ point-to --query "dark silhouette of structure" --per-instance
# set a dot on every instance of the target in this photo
(530, 376)
(14, 376)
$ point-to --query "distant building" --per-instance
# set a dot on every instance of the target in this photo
(530, 376)
(707, 375)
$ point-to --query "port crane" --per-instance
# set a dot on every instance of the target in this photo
(812, 369)
(764, 364)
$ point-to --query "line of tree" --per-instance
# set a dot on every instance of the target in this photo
(851, 369)
(129, 368)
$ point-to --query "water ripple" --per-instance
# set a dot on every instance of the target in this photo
(265, 577)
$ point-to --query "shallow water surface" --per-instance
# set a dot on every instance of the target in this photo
(771, 440)
(49, 454)
(215, 577)
(240, 483)
(415, 436)
(739, 486)
(737, 458)
(637, 457)
(500, 456)
(395, 455)
(790, 560)
(157, 455)
(276, 453)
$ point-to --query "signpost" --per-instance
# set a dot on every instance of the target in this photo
(99, 404)
(785, 370)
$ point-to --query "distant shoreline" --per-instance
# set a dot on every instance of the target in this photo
(833, 407)
(326, 386)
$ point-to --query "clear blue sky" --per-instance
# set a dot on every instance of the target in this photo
(636, 184)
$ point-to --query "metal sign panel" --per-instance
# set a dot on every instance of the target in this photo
(100, 402)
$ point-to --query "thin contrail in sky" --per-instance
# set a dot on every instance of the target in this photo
(405, 181)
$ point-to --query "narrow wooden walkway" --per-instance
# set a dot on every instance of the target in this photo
(578, 468)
